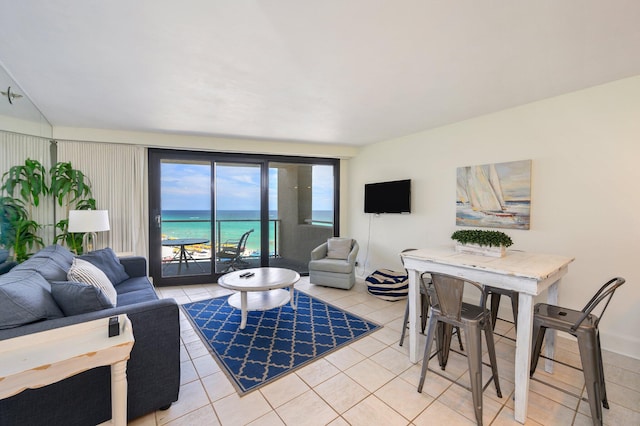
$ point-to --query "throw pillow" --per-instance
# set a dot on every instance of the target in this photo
(78, 298)
(338, 248)
(107, 261)
(84, 272)
(52, 262)
(25, 298)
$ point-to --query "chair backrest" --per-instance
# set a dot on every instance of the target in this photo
(242, 244)
(604, 293)
(402, 258)
(449, 291)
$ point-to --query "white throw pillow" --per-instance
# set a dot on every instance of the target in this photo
(82, 271)
(338, 248)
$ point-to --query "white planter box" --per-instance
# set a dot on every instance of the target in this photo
(481, 250)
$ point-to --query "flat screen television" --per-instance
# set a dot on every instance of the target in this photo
(388, 197)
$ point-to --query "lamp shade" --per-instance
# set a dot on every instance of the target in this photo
(88, 221)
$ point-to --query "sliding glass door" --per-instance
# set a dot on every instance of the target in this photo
(238, 225)
(212, 213)
(302, 203)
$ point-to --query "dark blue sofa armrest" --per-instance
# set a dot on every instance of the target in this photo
(134, 266)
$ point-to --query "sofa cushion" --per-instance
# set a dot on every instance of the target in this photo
(107, 261)
(84, 272)
(52, 262)
(78, 298)
(137, 296)
(25, 298)
(338, 248)
(135, 290)
(4, 255)
(134, 284)
(57, 253)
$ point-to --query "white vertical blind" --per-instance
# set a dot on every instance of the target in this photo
(15, 148)
(118, 175)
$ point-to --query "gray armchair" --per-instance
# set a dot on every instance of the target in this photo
(333, 263)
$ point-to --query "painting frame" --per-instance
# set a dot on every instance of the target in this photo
(495, 195)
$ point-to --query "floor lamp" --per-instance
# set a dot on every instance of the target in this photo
(89, 222)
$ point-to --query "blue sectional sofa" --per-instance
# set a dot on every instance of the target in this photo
(36, 295)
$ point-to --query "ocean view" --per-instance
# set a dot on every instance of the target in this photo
(232, 224)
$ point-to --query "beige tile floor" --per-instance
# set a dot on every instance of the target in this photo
(371, 381)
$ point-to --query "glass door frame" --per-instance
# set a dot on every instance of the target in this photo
(155, 157)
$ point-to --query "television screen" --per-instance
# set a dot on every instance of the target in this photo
(388, 197)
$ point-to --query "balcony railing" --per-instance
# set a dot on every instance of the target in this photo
(229, 230)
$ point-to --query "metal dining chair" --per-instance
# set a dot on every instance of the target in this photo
(473, 319)
(584, 326)
(425, 293)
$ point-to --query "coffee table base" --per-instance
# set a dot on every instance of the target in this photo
(260, 301)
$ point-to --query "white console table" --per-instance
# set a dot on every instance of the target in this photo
(38, 359)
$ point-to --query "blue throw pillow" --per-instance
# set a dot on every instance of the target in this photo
(107, 261)
(25, 298)
(78, 298)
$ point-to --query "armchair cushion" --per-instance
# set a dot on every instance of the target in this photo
(339, 266)
(338, 248)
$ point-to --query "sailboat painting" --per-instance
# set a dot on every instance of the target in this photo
(494, 195)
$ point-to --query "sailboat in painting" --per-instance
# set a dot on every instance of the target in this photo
(482, 201)
(484, 190)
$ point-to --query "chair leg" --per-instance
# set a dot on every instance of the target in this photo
(444, 343)
(424, 311)
(459, 338)
(495, 304)
(603, 388)
(427, 350)
(404, 323)
(491, 348)
(587, 344)
(514, 307)
(474, 357)
(538, 336)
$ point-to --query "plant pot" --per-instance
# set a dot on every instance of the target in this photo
(499, 251)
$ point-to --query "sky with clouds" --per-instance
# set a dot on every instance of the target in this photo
(187, 187)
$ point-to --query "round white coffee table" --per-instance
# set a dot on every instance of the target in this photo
(263, 290)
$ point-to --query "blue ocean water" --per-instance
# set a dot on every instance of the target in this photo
(231, 224)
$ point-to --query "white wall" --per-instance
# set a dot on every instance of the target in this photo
(585, 148)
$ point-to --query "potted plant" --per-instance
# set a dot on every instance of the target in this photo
(18, 233)
(486, 243)
(26, 186)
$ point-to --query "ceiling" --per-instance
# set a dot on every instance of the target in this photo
(340, 71)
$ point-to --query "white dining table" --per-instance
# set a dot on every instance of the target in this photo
(529, 274)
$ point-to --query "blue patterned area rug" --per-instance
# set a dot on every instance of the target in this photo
(274, 342)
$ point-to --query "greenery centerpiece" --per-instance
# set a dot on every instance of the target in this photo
(477, 241)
